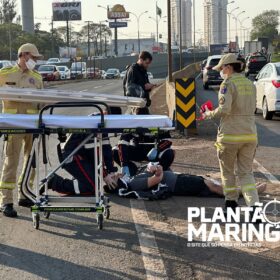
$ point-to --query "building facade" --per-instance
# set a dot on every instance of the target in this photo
(215, 22)
(186, 16)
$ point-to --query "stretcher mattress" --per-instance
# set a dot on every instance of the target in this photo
(20, 121)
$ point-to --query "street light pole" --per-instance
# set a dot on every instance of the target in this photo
(180, 31)
(236, 19)
(138, 27)
(169, 40)
(241, 25)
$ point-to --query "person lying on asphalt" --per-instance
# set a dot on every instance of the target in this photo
(154, 183)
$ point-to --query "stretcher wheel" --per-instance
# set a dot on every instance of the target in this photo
(47, 214)
(107, 213)
(36, 220)
(100, 221)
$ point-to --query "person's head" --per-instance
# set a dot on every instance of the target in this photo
(27, 56)
(230, 64)
(145, 59)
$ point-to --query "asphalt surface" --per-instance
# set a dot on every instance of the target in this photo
(142, 240)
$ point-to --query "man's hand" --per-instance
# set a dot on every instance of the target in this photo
(149, 86)
(206, 113)
(111, 181)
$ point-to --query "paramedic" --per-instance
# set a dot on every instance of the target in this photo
(22, 75)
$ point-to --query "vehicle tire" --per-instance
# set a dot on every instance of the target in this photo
(267, 115)
(206, 86)
(107, 213)
(256, 111)
(247, 74)
(47, 214)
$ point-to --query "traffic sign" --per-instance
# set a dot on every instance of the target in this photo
(117, 24)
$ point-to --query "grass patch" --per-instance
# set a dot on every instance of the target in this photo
(275, 57)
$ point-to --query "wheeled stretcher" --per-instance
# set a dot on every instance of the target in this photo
(46, 123)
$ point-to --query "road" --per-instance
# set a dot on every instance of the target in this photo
(142, 240)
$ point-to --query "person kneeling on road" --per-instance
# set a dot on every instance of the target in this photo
(81, 166)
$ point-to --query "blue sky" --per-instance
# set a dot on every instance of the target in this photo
(90, 11)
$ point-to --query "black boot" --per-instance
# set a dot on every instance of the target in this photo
(25, 202)
(8, 210)
(230, 204)
(50, 184)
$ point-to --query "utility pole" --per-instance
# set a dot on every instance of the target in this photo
(157, 21)
(88, 36)
(169, 40)
(116, 38)
(100, 35)
(52, 39)
(194, 30)
(180, 31)
(67, 36)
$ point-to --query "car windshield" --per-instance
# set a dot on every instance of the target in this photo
(61, 68)
(278, 70)
(214, 61)
(111, 71)
(46, 68)
(52, 60)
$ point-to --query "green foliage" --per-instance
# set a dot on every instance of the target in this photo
(265, 25)
(7, 11)
(42, 39)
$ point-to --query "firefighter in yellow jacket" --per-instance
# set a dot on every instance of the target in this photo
(237, 135)
(22, 75)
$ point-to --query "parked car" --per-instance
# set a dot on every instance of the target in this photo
(65, 73)
(78, 70)
(122, 75)
(93, 73)
(210, 76)
(102, 74)
(254, 63)
(202, 66)
(5, 63)
(268, 90)
(112, 73)
(49, 72)
(53, 60)
(150, 75)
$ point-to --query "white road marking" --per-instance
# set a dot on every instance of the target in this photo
(152, 260)
(83, 90)
(271, 178)
(98, 87)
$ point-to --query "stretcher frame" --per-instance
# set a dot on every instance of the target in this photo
(49, 204)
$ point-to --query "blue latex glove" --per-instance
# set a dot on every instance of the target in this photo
(125, 171)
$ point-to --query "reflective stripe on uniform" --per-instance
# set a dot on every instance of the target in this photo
(32, 111)
(248, 187)
(228, 189)
(9, 111)
(76, 187)
(89, 146)
(9, 70)
(7, 186)
(239, 138)
(123, 142)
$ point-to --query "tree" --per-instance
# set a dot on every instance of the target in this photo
(265, 25)
(7, 11)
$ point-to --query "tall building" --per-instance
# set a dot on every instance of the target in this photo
(186, 16)
(215, 21)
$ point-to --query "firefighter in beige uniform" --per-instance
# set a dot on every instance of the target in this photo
(21, 75)
(237, 136)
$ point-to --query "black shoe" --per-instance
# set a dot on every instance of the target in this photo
(25, 202)
(50, 184)
(230, 204)
(257, 221)
(8, 210)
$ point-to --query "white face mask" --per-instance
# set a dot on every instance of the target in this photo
(223, 76)
(30, 64)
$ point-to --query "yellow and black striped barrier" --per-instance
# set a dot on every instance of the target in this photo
(185, 105)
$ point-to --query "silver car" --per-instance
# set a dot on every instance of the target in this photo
(268, 90)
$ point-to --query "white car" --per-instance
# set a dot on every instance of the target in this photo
(5, 63)
(65, 73)
(268, 90)
(53, 60)
(123, 73)
(150, 75)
